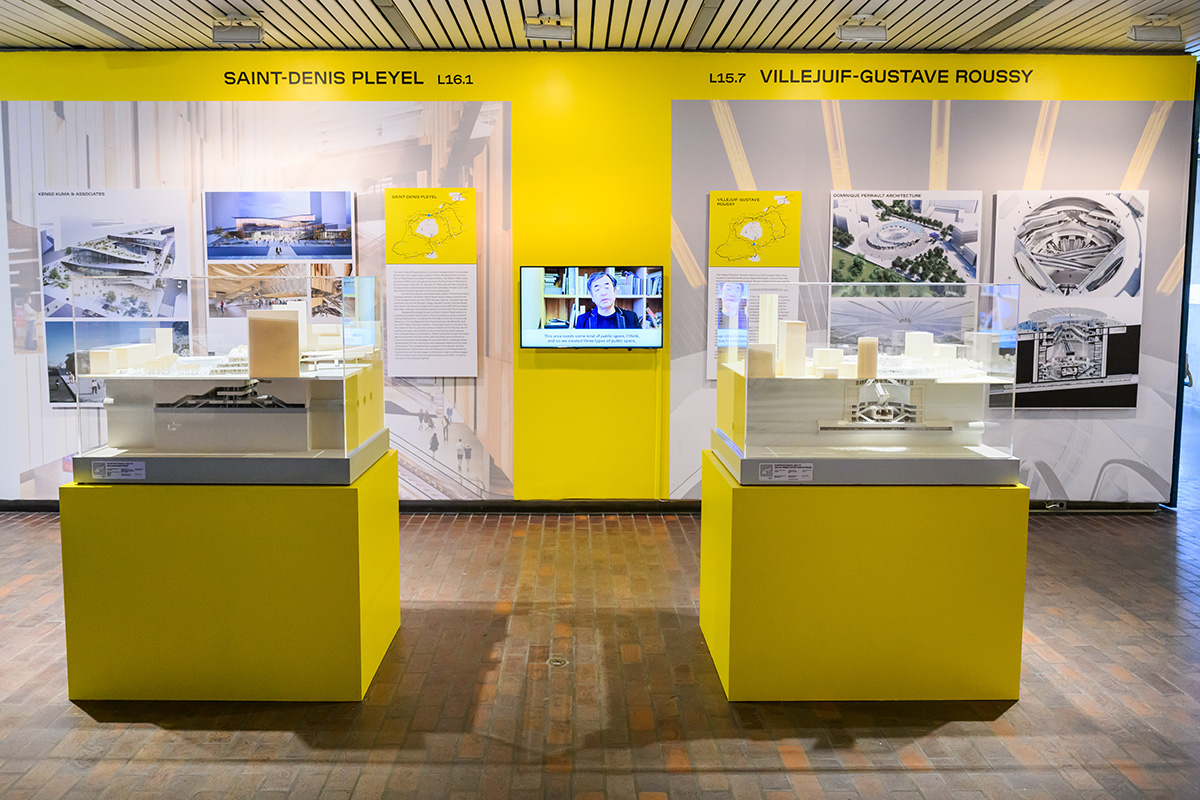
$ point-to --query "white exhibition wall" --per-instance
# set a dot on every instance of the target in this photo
(193, 147)
(1081, 455)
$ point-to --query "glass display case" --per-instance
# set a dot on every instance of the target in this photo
(262, 378)
(866, 383)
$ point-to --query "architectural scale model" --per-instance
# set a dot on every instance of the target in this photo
(912, 416)
(165, 410)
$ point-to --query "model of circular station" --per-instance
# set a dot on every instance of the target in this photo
(895, 239)
(1070, 245)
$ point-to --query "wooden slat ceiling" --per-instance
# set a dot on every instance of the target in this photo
(944, 25)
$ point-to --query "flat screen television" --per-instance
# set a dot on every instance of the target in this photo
(591, 307)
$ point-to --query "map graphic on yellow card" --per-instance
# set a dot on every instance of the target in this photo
(760, 229)
(424, 226)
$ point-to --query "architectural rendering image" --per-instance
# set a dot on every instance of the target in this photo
(117, 298)
(233, 297)
(244, 269)
(144, 251)
(1070, 245)
(278, 226)
(1075, 247)
(1070, 343)
(898, 237)
(889, 319)
(116, 254)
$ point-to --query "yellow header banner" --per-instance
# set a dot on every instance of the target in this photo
(377, 75)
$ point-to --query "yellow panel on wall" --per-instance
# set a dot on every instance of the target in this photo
(430, 226)
(591, 424)
(754, 229)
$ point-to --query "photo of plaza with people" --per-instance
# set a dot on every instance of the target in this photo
(285, 226)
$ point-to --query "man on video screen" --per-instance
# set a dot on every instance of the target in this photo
(731, 313)
(605, 314)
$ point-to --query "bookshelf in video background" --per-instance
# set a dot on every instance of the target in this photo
(565, 295)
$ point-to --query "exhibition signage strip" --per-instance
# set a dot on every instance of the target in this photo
(572, 75)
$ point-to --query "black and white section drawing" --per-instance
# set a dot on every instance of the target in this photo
(1079, 258)
(1077, 357)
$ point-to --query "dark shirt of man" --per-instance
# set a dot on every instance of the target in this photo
(585, 320)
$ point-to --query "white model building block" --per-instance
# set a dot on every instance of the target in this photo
(141, 353)
(768, 319)
(301, 308)
(118, 358)
(827, 357)
(274, 343)
(985, 347)
(918, 344)
(324, 336)
(760, 363)
(326, 341)
(945, 352)
(827, 372)
(868, 357)
(127, 356)
(847, 369)
(100, 361)
(163, 341)
(793, 347)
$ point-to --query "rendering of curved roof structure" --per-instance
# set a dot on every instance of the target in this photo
(1069, 245)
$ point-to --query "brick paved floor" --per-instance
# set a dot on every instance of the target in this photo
(466, 705)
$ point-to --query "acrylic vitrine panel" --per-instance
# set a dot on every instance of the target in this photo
(271, 378)
(871, 384)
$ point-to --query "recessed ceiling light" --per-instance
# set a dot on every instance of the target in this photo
(550, 27)
(1157, 30)
(237, 30)
(862, 33)
(1162, 34)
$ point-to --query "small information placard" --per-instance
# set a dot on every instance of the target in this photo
(119, 470)
(786, 473)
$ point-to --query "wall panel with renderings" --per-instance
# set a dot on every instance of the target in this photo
(592, 182)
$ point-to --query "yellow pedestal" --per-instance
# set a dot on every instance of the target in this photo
(863, 592)
(230, 592)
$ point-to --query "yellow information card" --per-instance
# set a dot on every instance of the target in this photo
(754, 229)
(430, 226)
